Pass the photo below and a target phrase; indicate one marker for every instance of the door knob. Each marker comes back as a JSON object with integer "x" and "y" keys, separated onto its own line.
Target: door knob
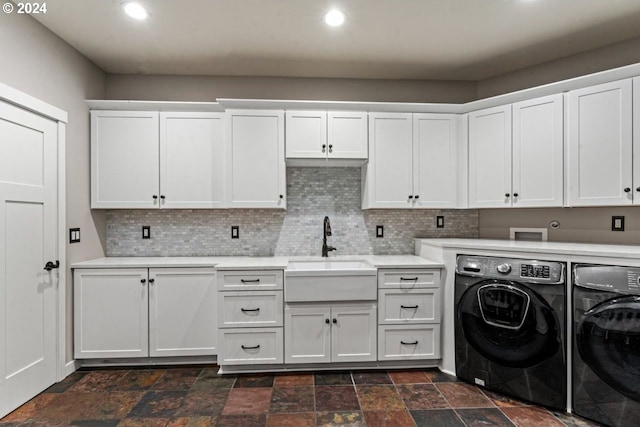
{"x": 50, "y": 265}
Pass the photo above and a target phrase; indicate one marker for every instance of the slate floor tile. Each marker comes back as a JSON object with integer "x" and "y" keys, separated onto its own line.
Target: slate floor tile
{"x": 336, "y": 398}
{"x": 299, "y": 419}
{"x": 484, "y": 417}
{"x": 437, "y": 418}
{"x": 292, "y": 380}
{"x": 192, "y": 422}
{"x": 209, "y": 379}
{"x": 247, "y": 420}
{"x": 462, "y": 395}
{"x": 377, "y": 397}
{"x": 333, "y": 378}
{"x": 138, "y": 380}
{"x": 396, "y": 418}
{"x": 530, "y": 416}
{"x": 252, "y": 381}
{"x": 177, "y": 379}
{"x": 342, "y": 419}
{"x": 371, "y": 378}
{"x": 248, "y": 401}
{"x": 292, "y": 399}
{"x": 98, "y": 381}
{"x": 203, "y": 403}
{"x": 158, "y": 404}
{"x": 422, "y": 396}
{"x": 501, "y": 400}
{"x": 440, "y": 377}
{"x": 409, "y": 377}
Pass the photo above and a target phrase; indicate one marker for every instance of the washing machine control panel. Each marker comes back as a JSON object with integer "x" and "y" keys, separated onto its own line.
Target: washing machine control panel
{"x": 531, "y": 271}
{"x": 612, "y": 278}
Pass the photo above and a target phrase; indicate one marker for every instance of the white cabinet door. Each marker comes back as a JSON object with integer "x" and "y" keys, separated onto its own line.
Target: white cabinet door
{"x": 347, "y": 135}
{"x": 110, "y": 313}
{"x": 255, "y": 153}
{"x": 192, "y": 160}
{"x": 600, "y": 145}
{"x": 636, "y": 140}
{"x": 435, "y": 177}
{"x": 307, "y": 332}
{"x": 388, "y": 176}
{"x": 490, "y": 157}
{"x": 306, "y": 134}
{"x": 538, "y": 152}
{"x": 182, "y": 312}
{"x": 125, "y": 159}
{"x": 353, "y": 333}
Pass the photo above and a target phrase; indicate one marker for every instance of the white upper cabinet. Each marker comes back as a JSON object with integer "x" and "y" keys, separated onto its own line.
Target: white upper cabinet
{"x": 192, "y": 161}
{"x": 124, "y": 159}
{"x": 599, "y": 149}
{"x": 537, "y": 166}
{"x": 146, "y": 159}
{"x": 326, "y": 135}
{"x": 636, "y": 140}
{"x": 255, "y": 159}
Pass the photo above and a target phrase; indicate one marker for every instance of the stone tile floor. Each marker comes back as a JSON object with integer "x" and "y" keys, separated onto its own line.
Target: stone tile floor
{"x": 199, "y": 397}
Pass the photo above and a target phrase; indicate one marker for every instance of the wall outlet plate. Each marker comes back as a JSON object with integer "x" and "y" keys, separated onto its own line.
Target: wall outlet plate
{"x": 146, "y": 231}
{"x": 235, "y": 232}
{"x": 74, "y": 235}
{"x": 617, "y": 223}
{"x": 379, "y": 230}
{"x": 439, "y": 221}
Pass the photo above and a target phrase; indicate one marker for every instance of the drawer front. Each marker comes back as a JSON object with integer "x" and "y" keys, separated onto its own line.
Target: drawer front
{"x": 237, "y": 280}
{"x": 252, "y": 309}
{"x": 397, "y": 342}
{"x": 401, "y": 306}
{"x": 409, "y": 279}
{"x": 257, "y": 346}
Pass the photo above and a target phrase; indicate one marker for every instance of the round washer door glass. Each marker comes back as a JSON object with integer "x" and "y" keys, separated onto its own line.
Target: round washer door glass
{"x": 608, "y": 340}
{"x": 508, "y": 323}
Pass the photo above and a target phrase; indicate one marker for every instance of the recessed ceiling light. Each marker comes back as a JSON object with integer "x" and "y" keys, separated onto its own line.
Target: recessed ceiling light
{"x": 334, "y": 18}
{"x": 135, "y": 10}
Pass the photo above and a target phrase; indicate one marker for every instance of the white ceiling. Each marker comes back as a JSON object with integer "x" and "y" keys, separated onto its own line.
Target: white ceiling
{"x": 389, "y": 39}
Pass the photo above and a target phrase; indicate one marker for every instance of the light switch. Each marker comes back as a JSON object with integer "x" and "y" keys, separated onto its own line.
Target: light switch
{"x": 146, "y": 232}
{"x": 379, "y": 231}
{"x": 74, "y": 235}
{"x": 617, "y": 223}
{"x": 235, "y": 232}
{"x": 439, "y": 221}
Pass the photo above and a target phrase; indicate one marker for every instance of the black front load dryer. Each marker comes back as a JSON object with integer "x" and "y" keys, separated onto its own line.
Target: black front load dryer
{"x": 510, "y": 327}
{"x": 606, "y": 345}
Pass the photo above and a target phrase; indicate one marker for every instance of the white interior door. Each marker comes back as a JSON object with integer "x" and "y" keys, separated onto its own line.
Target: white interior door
{"x": 28, "y": 230}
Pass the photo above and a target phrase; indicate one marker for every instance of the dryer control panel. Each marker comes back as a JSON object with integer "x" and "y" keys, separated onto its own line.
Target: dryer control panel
{"x": 624, "y": 280}
{"x": 515, "y": 269}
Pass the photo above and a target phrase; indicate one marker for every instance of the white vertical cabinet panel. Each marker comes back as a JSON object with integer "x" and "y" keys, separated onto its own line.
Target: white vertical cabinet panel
{"x": 636, "y": 141}
{"x": 306, "y": 134}
{"x": 600, "y": 145}
{"x": 490, "y": 157}
{"x": 347, "y": 135}
{"x": 192, "y": 160}
{"x": 388, "y": 177}
{"x": 435, "y": 160}
{"x": 125, "y": 159}
{"x": 182, "y": 312}
{"x": 537, "y": 166}
{"x": 255, "y": 153}
{"x": 353, "y": 333}
{"x": 307, "y": 334}
{"x": 110, "y": 313}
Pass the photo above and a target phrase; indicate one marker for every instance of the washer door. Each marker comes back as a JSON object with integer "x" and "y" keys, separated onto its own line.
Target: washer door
{"x": 508, "y": 323}
{"x": 608, "y": 340}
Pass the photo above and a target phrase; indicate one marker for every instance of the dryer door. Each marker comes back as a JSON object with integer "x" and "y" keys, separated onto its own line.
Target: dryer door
{"x": 608, "y": 339}
{"x": 508, "y": 323}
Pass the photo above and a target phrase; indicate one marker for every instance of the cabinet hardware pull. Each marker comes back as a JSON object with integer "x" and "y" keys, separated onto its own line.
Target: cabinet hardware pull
{"x": 50, "y": 265}
{"x": 409, "y": 343}
{"x": 162, "y": 196}
{"x": 409, "y": 306}
{"x": 152, "y": 280}
{"x": 143, "y": 280}
{"x": 627, "y": 189}
{"x": 246, "y": 347}
{"x": 515, "y": 194}
{"x": 335, "y": 320}
{"x": 244, "y": 310}
{"x": 155, "y": 197}
{"x": 326, "y": 321}
{"x": 411, "y": 196}
{"x": 507, "y": 195}
{"x": 415, "y": 279}
{"x": 250, "y": 281}
{"x": 331, "y": 148}
{"x": 416, "y": 196}
{"x": 324, "y": 148}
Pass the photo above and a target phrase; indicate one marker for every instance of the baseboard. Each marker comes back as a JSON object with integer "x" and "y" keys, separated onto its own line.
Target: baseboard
{"x": 69, "y": 369}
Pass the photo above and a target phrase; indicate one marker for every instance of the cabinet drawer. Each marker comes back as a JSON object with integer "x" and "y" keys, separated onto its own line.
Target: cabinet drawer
{"x": 409, "y": 279}
{"x": 256, "y": 346}
{"x": 241, "y": 309}
{"x": 236, "y": 280}
{"x": 398, "y": 342}
{"x": 401, "y": 306}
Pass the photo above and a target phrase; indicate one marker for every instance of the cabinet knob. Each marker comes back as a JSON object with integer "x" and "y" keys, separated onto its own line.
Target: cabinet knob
{"x": 282, "y": 196}
{"x": 515, "y": 194}
{"x": 331, "y": 148}
{"x": 411, "y": 196}
{"x": 335, "y": 320}
{"x": 507, "y": 195}
{"x": 637, "y": 188}
{"x": 416, "y": 196}
{"x": 324, "y": 148}
{"x": 143, "y": 280}
{"x": 627, "y": 189}
{"x": 155, "y": 197}
{"x": 152, "y": 280}
{"x": 162, "y": 197}
{"x": 326, "y": 321}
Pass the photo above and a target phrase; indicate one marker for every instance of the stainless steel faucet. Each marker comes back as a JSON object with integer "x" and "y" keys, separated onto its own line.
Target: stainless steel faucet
{"x": 327, "y": 232}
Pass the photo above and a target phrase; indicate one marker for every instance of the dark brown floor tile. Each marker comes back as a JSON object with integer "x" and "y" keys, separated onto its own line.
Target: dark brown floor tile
{"x": 530, "y": 416}
{"x": 292, "y": 399}
{"x": 437, "y": 418}
{"x": 32, "y": 423}
{"x": 422, "y": 396}
{"x": 501, "y": 400}
{"x": 209, "y": 379}
{"x": 29, "y": 409}
{"x": 574, "y": 421}
{"x": 336, "y": 398}
{"x": 376, "y": 397}
{"x": 192, "y": 422}
{"x": 292, "y": 380}
{"x": 94, "y": 423}
{"x": 88, "y": 406}
{"x": 462, "y": 395}
{"x": 484, "y": 417}
{"x": 371, "y": 378}
{"x": 440, "y": 377}
{"x": 98, "y": 381}
{"x": 248, "y": 401}
{"x": 158, "y": 404}
{"x": 203, "y": 403}
{"x": 343, "y": 419}
{"x": 388, "y": 419}
{"x": 143, "y": 422}
{"x": 64, "y": 385}
{"x": 138, "y": 380}
{"x": 248, "y": 420}
{"x": 252, "y": 381}
{"x": 409, "y": 377}
{"x": 300, "y": 419}
{"x": 177, "y": 379}
{"x": 333, "y": 378}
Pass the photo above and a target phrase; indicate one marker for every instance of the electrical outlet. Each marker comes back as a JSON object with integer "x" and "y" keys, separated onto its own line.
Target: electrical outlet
{"x": 439, "y": 221}
{"x": 235, "y": 232}
{"x": 617, "y": 223}
{"x": 74, "y": 235}
{"x": 379, "y": 231}
{"x": 146, "y": 231}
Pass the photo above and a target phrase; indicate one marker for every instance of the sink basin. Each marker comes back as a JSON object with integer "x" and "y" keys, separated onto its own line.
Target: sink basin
{"x": 330, "y": 280}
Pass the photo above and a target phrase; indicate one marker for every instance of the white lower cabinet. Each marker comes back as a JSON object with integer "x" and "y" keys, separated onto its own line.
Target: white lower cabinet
{"x": 400, "y": 342}
{"x": 245, "y": 346}
{"x": 323, "y": 333}
{"x": 140, "y": 312}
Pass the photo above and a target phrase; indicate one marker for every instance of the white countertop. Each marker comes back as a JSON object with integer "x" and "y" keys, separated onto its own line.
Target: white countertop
{"x": 239, "y": 262}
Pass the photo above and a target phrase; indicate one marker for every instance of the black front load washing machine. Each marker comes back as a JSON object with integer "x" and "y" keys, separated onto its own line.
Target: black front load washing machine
{"x": 510, "y": 327}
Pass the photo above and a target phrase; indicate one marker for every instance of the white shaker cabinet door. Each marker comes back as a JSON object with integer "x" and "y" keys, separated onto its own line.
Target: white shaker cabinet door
{"x": 353, "y": 333}
{"x": 636, "y": 140}
{"x": 307, "y": 330}
{"x": 347, "y": 135}
{"x": 306, "y": 134}
{"x": 125, "y": 159}
{"x": 192, "y": 160}
{"x": 255, "y": 153}
{"x": 599, "y": 145}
